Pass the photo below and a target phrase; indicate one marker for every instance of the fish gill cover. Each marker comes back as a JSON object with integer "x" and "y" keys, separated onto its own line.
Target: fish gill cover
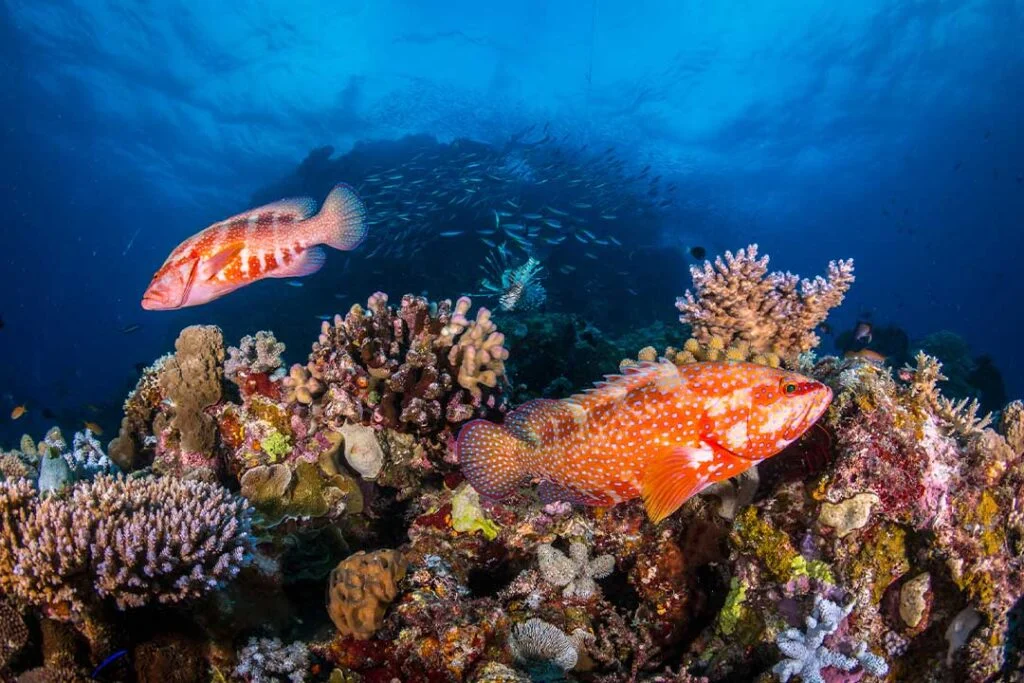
{"x": 542, "y": 194}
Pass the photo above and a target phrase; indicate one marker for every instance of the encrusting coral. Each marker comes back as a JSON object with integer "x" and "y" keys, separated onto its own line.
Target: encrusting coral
{"x": 134, "y": 541}
{"x": 737, "y": 299}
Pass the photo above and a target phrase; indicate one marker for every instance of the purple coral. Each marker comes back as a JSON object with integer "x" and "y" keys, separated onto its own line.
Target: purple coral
{"x": 268, "y": 660}
{"x": 254, "y": 354}
{"x": 133, "y": 540}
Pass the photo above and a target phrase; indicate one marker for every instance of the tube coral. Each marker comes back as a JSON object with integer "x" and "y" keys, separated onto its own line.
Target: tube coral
{"x": 738, "y": 299}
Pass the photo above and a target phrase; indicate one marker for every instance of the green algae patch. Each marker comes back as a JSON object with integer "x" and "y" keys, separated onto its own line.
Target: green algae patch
{"x": 771, "y": 546}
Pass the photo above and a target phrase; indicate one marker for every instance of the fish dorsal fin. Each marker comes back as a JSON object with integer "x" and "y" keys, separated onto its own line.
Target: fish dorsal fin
{"x": 298, "y": 208}
{"x": 673, "y": 476}
{"x": 220, "y": 259}
{"x": 661, "y": 374}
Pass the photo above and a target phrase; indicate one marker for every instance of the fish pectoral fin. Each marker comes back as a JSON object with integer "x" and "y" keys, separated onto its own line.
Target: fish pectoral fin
{"x": 673, "y": 476}
{"x": 220, "y": 260}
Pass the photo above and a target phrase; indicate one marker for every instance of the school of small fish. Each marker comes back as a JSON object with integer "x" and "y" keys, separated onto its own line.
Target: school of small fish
{"x": 277, "y": 240}
{"x": 658, "y": 431}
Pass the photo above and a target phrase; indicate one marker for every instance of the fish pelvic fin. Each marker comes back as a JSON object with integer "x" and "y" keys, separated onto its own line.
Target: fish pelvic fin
{"x": 494, "y": 462}
{"x": 673, "y": 477}
{"x": 341, "y": 223}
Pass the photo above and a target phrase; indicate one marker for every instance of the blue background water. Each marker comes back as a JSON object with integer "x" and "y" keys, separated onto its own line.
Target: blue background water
{"x": 890, "y": 132}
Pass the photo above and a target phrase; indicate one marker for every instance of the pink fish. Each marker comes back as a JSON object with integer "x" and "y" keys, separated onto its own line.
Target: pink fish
{"x": 660, "y": 431}
{"x": 277, "y": 240}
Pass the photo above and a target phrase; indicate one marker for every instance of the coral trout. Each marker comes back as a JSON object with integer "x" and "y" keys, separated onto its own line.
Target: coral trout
{"x": 660, "y": 431}
{"x": 277, "y": 240}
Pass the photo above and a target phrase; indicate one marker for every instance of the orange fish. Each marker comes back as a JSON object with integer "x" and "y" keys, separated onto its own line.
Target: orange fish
{"x": 660, "y": 431}
{"x": 276, "y": 240}
{"x": 18, "y": 411}
{"x": 93, "y": 427}
{"x": 868, "y": 355}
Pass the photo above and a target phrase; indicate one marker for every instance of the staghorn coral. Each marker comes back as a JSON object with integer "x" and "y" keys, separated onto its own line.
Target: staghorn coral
{"x": 737, "y": 299}
{"x": 134, "y": 541}
{"x": 960, "y": 416}
{"x": 807, "y": 655}
{"x": 268, "y": 660}
{"x": 415, "y": 369}
{"x": 1011, "y": 426}
{"x": 575, "y": 572}
{"x": 360, "y": 589}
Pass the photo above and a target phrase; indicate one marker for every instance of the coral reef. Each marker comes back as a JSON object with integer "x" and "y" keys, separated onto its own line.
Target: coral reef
{"x": 268, "y": 660}
{"x": 360, "y": 589}
{"x": 737, "y": 298}
{"x": 575, "y": 572}
{"x": 133, "y": 541}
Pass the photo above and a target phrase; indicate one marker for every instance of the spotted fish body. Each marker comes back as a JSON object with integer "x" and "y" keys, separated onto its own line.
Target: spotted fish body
{"x": 277, "y": 240}
{"x": 659, "y": 431}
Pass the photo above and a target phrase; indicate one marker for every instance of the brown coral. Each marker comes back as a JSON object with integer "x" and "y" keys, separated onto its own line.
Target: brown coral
{"x": 416, "y": 368}
{"x": 361, "y": 588}
{"x": 301, "y": 386}
{"x": 13, "y": 633}
{"x": 191, "y": 380}
{"x": 737, "y": 299}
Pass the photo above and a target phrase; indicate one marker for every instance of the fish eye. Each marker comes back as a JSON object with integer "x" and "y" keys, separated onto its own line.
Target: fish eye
{"x": 789, "y": 388}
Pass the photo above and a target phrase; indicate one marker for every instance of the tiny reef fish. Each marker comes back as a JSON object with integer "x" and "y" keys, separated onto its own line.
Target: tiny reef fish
{"x": 93, "y": 427}
{"x": 659, "y": 431}
{"x": 277, "y": 240}
{"x": 18, "y": 411}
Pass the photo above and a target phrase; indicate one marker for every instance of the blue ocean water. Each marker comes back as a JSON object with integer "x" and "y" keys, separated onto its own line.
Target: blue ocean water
{"x": 889, "y": 132}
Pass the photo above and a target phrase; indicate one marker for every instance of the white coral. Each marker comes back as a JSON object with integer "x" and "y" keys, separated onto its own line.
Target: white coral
{"x": 576, "y": 572}
{"x": 806, "y": 654}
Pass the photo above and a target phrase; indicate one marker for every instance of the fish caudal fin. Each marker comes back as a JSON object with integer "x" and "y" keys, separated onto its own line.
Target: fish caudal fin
{"x": 341, "y": 222}
{"x": 493, "y": 461}
{"x": 672, "y": 478}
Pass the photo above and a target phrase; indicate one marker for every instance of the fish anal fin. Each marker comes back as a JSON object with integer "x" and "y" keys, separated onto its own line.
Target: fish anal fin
{"x": 309, "y": 262}
{"x": 550, "y": 492}
{"x": 297, "y": 208}
{"x": 220, "y": 259}
{"x": 661, "y": 374}
{"x": 672, "y": 477}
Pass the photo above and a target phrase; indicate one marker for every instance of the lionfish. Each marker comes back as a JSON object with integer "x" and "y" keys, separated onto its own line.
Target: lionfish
{"x": 518, "y": 288}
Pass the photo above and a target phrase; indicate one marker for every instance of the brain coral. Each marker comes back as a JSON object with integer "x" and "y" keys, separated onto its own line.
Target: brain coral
{"x": 361, "y": 588}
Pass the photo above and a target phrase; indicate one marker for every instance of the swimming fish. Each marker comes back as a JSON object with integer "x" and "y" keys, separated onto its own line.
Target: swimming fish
{"x": 659, "y": 431}
{"x": 18, "y": 411}
{"x": 698, "y": 252}
{"x": 866, "y": 354}
{"x": 93, "y": 427}
{"x": 276, "y": 240}
{"x": 863, "y": 331}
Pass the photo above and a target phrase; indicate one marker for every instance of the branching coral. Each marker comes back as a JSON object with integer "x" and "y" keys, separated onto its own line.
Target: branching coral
{"x": 268, "y": 660}
{"x": 132, "y": 540}
{"x": 737, "y": 299}
{"x": 806, "y": 654}
{"x": 961, "y": 416}
{"x": 416, "y": 368}
{"x": 254, "y": 354}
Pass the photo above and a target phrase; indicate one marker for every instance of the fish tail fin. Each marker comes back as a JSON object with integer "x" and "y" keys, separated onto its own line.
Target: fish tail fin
{"x": 342, "y": 219}
{"x": 494, "y": 461}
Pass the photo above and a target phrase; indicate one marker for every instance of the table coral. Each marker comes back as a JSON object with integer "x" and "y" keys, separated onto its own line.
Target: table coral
{"x": 736, "y": 298}
{"x": 360, "y": 589}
